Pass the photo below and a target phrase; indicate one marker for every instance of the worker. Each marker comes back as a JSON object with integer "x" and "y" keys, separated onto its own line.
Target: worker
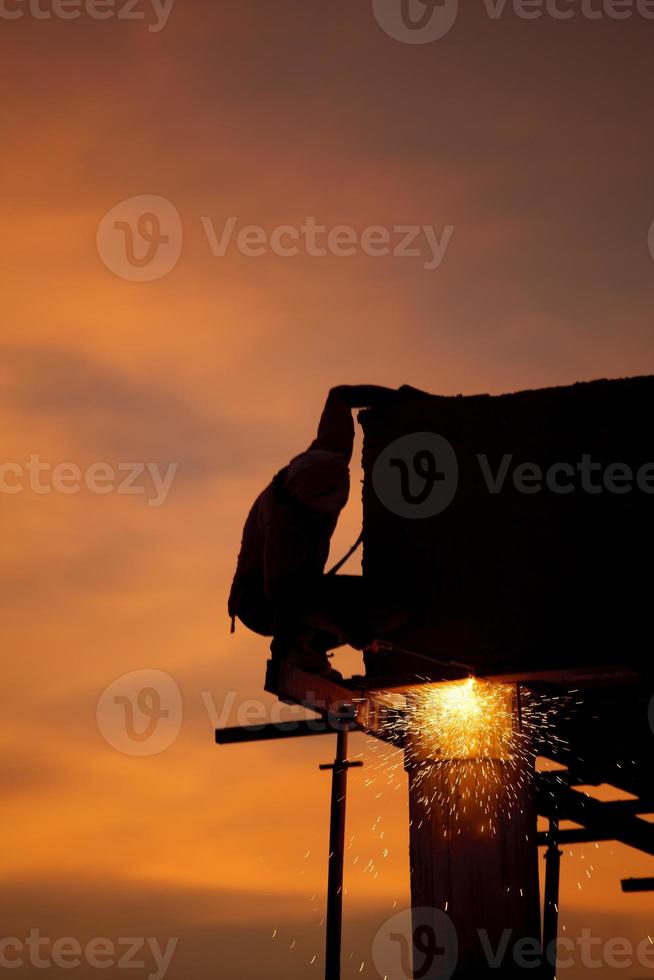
{"x": 280, "y": 588}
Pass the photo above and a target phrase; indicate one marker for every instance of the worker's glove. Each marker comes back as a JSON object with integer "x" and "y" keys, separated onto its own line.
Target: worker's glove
{"x": 363, "y": 396}
{"x": 406, "y": 392}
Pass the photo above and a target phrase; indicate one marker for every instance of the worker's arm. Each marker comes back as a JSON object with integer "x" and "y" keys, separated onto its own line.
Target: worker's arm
{"x": 362, "y": 396}
{"x": 374, "y": 396}
{"x": 336, "y": 428}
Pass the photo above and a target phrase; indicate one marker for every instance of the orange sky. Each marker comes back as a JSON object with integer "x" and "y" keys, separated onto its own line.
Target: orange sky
{"x": 533, "y": 139}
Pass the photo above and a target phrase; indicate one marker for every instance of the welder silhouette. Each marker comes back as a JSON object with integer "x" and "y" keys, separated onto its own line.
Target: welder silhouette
{"x": 280, "y": 588}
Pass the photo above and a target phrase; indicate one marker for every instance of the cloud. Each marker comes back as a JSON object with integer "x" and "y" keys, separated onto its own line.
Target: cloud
{"x": 226, "y": 934}
{"x": 109, "y": 412}
{"x": 106, "y": 411}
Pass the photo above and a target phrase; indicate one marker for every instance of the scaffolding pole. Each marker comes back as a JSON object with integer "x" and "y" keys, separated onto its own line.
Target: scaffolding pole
{"x": 339, "y": 769}
{"x": 551, "y": 904}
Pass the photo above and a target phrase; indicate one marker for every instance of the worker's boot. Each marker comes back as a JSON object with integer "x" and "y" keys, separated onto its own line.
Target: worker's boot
{"x": 306, "y": 651}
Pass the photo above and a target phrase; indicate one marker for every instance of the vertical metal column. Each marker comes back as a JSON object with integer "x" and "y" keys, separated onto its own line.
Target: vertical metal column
{"x": 339, "y": 770}
{"x": 551, "y": 906}
{"x": 486, "y": 882}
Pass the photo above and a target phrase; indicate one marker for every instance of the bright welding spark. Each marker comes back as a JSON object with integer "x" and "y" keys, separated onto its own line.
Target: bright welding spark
{"x": 466, "y": 719}
{"x": 481, "y": 736}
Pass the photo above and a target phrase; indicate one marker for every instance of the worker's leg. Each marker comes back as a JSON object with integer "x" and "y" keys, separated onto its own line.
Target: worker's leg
{"x": 346, "y": 607}
{"x": 299, "y": 639}
{"x": 254, "y": 612}
{"x": 336, "y": 610}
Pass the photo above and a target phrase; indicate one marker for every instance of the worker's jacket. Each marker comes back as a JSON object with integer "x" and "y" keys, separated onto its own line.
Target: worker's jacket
{"x": 285, "y": 542}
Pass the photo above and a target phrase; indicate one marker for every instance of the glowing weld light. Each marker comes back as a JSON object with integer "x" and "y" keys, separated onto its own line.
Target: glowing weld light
{"x": 468, "y": 745}
{"x": 467, "y": 719}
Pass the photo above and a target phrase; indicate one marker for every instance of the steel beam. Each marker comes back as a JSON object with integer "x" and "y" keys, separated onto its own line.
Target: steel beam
{"x": 598, "y": 823}
{"x": 638, "y": 885}
{"x": 274, "y": 731}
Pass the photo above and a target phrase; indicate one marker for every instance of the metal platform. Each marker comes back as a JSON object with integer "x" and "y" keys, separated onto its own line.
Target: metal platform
{"x": 604, "y": 740}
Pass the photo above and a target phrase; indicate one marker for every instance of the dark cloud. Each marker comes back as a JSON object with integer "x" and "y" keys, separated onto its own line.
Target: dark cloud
{"x": 104, "y": 563}
{"x": 128, "y": 416}
{"x": 225, "y": 934}
{"x": 229, "y": 934}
